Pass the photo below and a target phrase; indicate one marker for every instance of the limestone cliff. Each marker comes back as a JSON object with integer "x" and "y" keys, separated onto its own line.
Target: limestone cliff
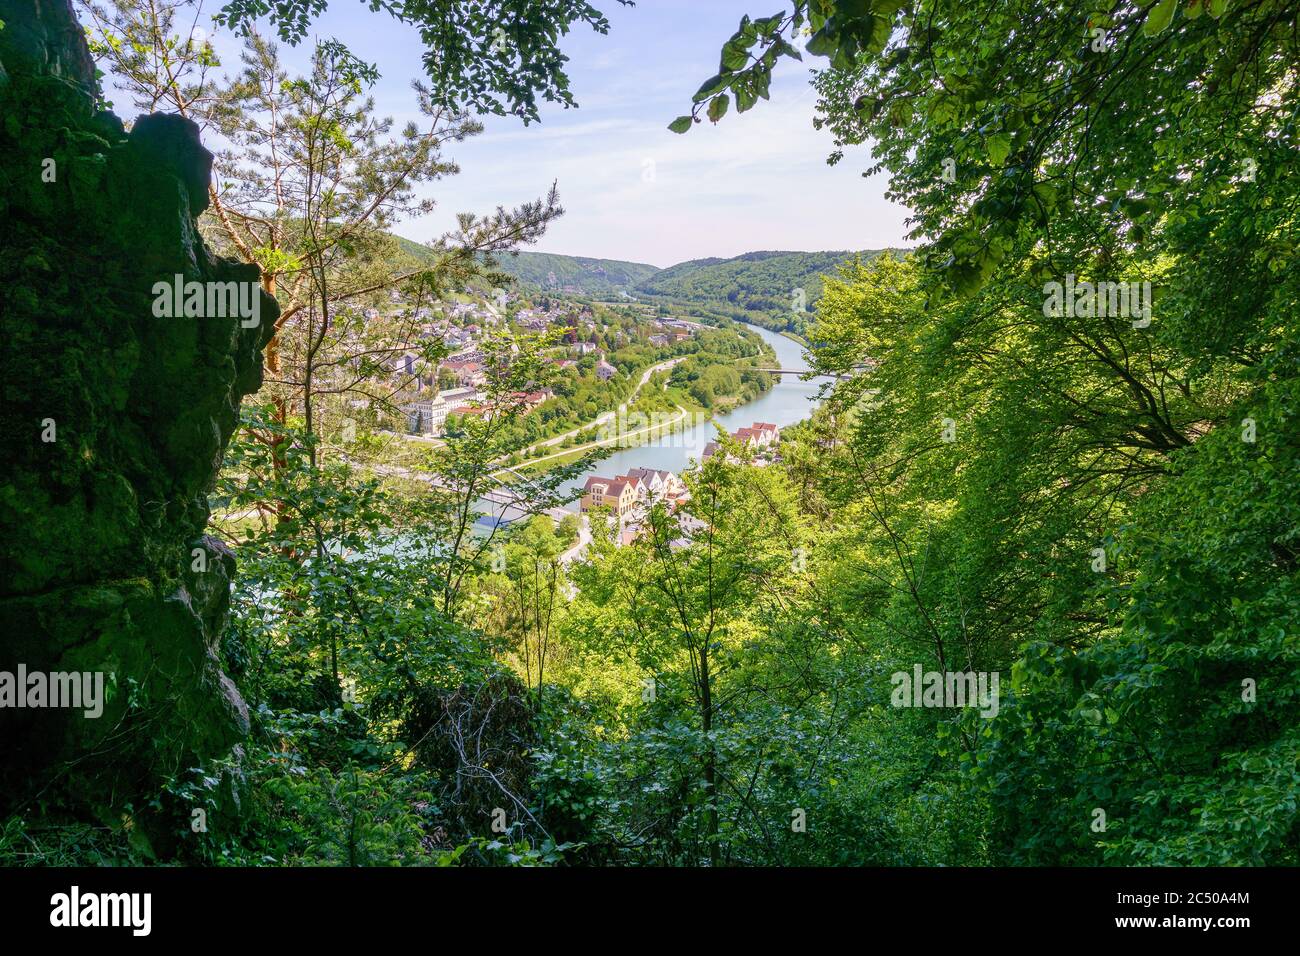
{"x": 111, "y": 430}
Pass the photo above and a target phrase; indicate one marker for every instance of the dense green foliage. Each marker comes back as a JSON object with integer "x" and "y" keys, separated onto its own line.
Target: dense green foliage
{"x": 712, "y": 384}
{"x": 1104, "y": 508}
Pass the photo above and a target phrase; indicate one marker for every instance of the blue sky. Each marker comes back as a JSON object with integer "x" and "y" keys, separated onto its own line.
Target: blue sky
{"x": 631, "y": 189}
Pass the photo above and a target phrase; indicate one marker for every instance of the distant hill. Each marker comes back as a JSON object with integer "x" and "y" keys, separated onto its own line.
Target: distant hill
{"x": 412, "y": 248}
{"x": 759, "y": 287}
{"x": 578, "y": 275}
{"x": 756, "y": 287}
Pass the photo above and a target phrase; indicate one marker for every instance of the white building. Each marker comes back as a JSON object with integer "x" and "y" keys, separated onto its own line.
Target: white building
{"x": 431, "y": 413}
{"x": 657, "y": 484}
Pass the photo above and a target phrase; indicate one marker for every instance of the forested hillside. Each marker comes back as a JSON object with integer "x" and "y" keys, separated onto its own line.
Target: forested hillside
{"x": 577, "y": 275}
{"x": 776, "y": 290}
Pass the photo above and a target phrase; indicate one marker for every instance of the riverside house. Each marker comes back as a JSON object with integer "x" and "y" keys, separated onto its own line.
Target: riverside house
{"x": 657, "y": 484}
{"x": 757, "y": 438}
{"x": 620, "y": 494}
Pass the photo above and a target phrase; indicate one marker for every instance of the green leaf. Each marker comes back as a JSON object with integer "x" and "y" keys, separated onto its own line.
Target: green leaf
{"x": 715, "y": 84}
{"x": 1160, "y": 17}
{"x": 733, "y": 58}
{"x": 999, "y": 147}
{"x": 881, "y": 28}
{"x": 823, "y": 43}
{"x": 784, "y": 48}
{"x": 718, "y": 107}
{"x": 680, "y": 125}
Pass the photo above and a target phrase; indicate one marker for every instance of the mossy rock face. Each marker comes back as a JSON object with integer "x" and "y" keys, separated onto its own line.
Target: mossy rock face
{"x": 112, "y": 428}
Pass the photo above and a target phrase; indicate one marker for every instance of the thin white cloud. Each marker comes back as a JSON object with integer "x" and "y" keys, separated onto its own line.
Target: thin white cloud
{"x": 635, "y": 191}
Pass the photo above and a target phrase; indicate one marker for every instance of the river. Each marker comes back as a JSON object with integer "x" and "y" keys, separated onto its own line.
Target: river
{"x": 789, "y": 401}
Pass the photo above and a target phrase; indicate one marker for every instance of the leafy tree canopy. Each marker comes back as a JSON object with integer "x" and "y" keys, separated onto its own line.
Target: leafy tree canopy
{"x": 993, "y": 119}
{"x": 484, "y": 56}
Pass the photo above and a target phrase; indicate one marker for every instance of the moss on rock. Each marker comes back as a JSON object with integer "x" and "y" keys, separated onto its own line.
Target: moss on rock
{"x": 112, "y": 428}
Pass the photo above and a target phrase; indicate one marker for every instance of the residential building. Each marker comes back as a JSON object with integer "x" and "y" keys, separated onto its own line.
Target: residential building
{"x": 527, "y": 401}
{"x": 458, "y": 398}
{"x": 467, "y": 373}
{"x": 619, "y": 494}
{"x": 532, "y": 399}
{"x": 768, "y": 434}
{"x": 756, "y": 437}
{"x": 658, "y": 484}
{"x": 430, "y": 415}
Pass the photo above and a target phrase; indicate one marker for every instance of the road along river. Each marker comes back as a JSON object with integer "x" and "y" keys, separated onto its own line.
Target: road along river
{"x": 789, "y": 401}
